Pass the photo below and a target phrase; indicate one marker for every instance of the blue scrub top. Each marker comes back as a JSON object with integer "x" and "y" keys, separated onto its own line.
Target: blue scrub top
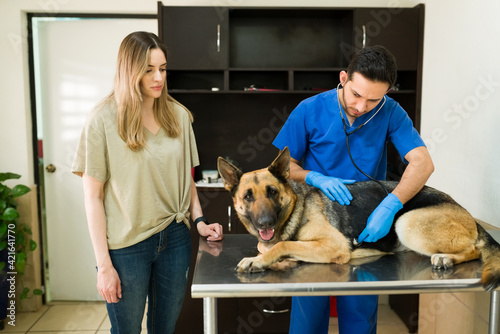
{"x": 314, "y": 134}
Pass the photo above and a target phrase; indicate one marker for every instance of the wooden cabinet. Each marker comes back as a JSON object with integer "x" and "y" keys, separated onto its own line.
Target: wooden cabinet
{"x": 397, "y": 29}
{"x": 215, "y": 203}
{"x": 241, "y": 71}
{"x": 261, "y": 315}
{"x": 217, "y": 206}
{"x": 204, "y": 29}
{"x": 271, "y": 59}
{"x": 264, "y": 315}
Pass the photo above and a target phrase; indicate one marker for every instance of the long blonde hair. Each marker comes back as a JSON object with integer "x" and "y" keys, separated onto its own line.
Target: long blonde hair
{"x": 132, "y": 64}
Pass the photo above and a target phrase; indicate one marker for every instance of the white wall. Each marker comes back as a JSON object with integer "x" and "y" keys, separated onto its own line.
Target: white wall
{"x": 461, "y": 99}
{"x": 460, "y": 69}
{"x": 16, "y": 153}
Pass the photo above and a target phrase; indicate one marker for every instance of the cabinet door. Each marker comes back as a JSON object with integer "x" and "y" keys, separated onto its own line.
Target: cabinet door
{"x": 215, "y": 203}
{"x": 264, "y": 315}
{"x": 217, "y": 206}
{"x": 190, "y": 320}
{"x": 196, "y": 37}
{"x": 398, "y": 29}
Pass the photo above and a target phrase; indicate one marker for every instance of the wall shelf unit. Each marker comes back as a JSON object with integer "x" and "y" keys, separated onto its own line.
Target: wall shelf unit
{"x": 242, "y": 70}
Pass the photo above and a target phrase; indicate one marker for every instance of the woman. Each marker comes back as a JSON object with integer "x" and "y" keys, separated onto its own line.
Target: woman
{"x": 135, "y": 157}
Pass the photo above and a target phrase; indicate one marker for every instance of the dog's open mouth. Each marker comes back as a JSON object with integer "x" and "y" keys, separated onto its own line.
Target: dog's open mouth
{"x": 266, "y": 234}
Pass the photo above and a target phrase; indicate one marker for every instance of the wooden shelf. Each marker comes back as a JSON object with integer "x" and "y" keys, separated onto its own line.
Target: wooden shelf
{"x": 247, "y": 92}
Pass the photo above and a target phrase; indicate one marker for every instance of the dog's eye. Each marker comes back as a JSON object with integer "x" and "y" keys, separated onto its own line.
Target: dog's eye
{"x": 248, "y": 196}
{"x": 272, "y": 191}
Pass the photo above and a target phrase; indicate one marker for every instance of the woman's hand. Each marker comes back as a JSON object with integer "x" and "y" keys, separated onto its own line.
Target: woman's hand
{"x": 109, "y": 284}
{"x": 213, "y": 248}
{"x": 213, "y": 232}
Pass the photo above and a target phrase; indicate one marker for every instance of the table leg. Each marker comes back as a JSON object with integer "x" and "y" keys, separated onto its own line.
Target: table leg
{"x": 494, "y": 312}
{"x": 210, "y": 315}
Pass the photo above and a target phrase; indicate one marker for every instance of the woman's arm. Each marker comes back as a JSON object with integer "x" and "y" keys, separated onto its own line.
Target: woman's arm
{"x": 213, "y": 231}
{"x": 108, "y": 282}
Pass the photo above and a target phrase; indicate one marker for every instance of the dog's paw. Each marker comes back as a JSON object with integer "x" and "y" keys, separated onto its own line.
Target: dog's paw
{"x": 251, "y": 265}
{"x": 285, "y": 265}
{"x": 440, "y": 273}
{"x": 441, "y": 261}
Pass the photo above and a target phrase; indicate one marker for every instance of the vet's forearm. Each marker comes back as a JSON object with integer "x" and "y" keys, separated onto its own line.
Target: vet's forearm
{"x": 297, "y": 173}
{"x": 415, "y": 176}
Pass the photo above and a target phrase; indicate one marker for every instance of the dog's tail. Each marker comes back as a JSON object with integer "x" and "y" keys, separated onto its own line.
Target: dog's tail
{"x": 490, "y": 254}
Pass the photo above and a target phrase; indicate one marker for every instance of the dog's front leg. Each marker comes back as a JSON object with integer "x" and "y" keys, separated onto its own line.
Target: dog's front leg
{"x": 315, "y": 251}
{"x": 252, "y": 265}
{"x": 267, "y": 257}
{"x": 258, "y": 263}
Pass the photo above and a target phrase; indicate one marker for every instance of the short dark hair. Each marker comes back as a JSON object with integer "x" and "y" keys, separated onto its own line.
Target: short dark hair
{"x": 375, "y": 63}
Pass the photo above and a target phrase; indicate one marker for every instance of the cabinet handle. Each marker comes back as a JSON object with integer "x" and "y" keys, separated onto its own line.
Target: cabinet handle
{"x": 276, "y": 311}
{"x": 364, "y": 36}
{"x": 218, "y": 38}
{"x": 229, "y": 218}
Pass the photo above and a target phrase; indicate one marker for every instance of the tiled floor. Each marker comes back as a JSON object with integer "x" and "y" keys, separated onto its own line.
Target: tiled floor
{"x": 91, "y": 318}
{"x": 387, "y": 323}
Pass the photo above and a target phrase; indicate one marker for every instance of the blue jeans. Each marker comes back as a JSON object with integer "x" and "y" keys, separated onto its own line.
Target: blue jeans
{"x": 156, "y": 268}
{"x": 357, "y": 315}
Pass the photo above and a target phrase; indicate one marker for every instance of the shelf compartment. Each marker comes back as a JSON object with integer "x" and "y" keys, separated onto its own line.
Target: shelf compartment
{"x": 241, "y": 80}
{"x": 289, "y": 38}
{"x": 239, "y": 126}
{"x": 316, "y": 81}
{"x": 406, "y": 81}
{"x": 195, "y": 80}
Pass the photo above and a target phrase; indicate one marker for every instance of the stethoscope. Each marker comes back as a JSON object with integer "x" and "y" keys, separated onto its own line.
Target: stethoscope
{"x": 347, "y": 134}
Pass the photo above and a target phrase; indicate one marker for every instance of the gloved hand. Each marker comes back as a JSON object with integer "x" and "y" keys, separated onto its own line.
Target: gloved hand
{"x": 365, "y": 276}
{"x": 331, "y": 186}
{"x": 381, "y": 219}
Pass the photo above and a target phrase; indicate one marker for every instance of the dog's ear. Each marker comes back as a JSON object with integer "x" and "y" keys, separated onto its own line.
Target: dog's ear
{"x": 280, "y": 167}
{"x": 230, "y": 173}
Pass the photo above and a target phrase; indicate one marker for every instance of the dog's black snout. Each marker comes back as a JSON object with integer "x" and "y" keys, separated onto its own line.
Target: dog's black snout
{"x": 266, "y": 221}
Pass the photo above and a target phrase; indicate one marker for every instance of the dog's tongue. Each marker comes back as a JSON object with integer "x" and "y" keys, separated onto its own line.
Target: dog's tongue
{"x": 267, "y": 234}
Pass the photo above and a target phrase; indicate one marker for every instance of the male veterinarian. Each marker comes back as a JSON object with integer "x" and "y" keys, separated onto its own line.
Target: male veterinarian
{"x": 316, "y": 136}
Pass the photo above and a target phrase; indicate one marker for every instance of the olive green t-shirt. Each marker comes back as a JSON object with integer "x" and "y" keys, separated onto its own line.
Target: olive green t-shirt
{"x": 144, "y": 191}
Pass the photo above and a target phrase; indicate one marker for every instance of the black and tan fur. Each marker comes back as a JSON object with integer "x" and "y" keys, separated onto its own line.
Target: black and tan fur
{"x": 295, "y": 221}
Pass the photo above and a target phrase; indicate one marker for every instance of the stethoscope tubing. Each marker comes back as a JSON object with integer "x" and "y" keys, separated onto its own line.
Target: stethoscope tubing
{"x": 347, "y": 134}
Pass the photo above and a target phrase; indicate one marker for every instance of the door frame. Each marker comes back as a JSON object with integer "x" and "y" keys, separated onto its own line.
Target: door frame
{"x": 36, "y": 122}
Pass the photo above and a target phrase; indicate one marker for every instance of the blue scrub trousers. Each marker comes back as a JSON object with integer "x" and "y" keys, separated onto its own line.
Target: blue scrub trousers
{"x": 356, "y": 314}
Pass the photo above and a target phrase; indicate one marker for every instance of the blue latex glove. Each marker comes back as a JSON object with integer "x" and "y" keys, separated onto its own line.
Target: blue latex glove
{"x": 381, "y": 219}
{"x": 365, "y": 276}
{"x": 334, "y": 188}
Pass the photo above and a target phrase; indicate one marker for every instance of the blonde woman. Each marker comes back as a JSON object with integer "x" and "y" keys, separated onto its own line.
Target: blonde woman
{"x": 135, "y": 156}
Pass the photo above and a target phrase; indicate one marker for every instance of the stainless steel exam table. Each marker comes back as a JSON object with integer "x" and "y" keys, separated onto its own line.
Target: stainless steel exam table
{"x": 402, "y": 273}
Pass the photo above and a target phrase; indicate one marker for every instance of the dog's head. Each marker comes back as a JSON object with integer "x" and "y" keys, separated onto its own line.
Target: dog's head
{"x": 263, "y": 198}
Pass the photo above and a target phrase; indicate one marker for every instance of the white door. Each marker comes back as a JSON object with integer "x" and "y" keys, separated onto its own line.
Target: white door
{"x": 75, "y": 62}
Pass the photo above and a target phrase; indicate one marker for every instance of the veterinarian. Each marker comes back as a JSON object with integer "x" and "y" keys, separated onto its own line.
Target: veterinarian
{"x": 322, "y": 132}
{"x": 135, "y": 156}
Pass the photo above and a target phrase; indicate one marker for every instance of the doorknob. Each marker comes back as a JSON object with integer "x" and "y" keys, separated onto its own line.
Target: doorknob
{"x": 50, "y": 168}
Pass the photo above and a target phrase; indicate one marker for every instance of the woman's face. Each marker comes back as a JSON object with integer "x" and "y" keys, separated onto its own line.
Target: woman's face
{"x": 154, "y": 79}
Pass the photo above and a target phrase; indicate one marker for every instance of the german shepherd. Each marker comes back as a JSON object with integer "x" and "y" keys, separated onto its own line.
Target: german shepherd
{"x": 295, "y": 221}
